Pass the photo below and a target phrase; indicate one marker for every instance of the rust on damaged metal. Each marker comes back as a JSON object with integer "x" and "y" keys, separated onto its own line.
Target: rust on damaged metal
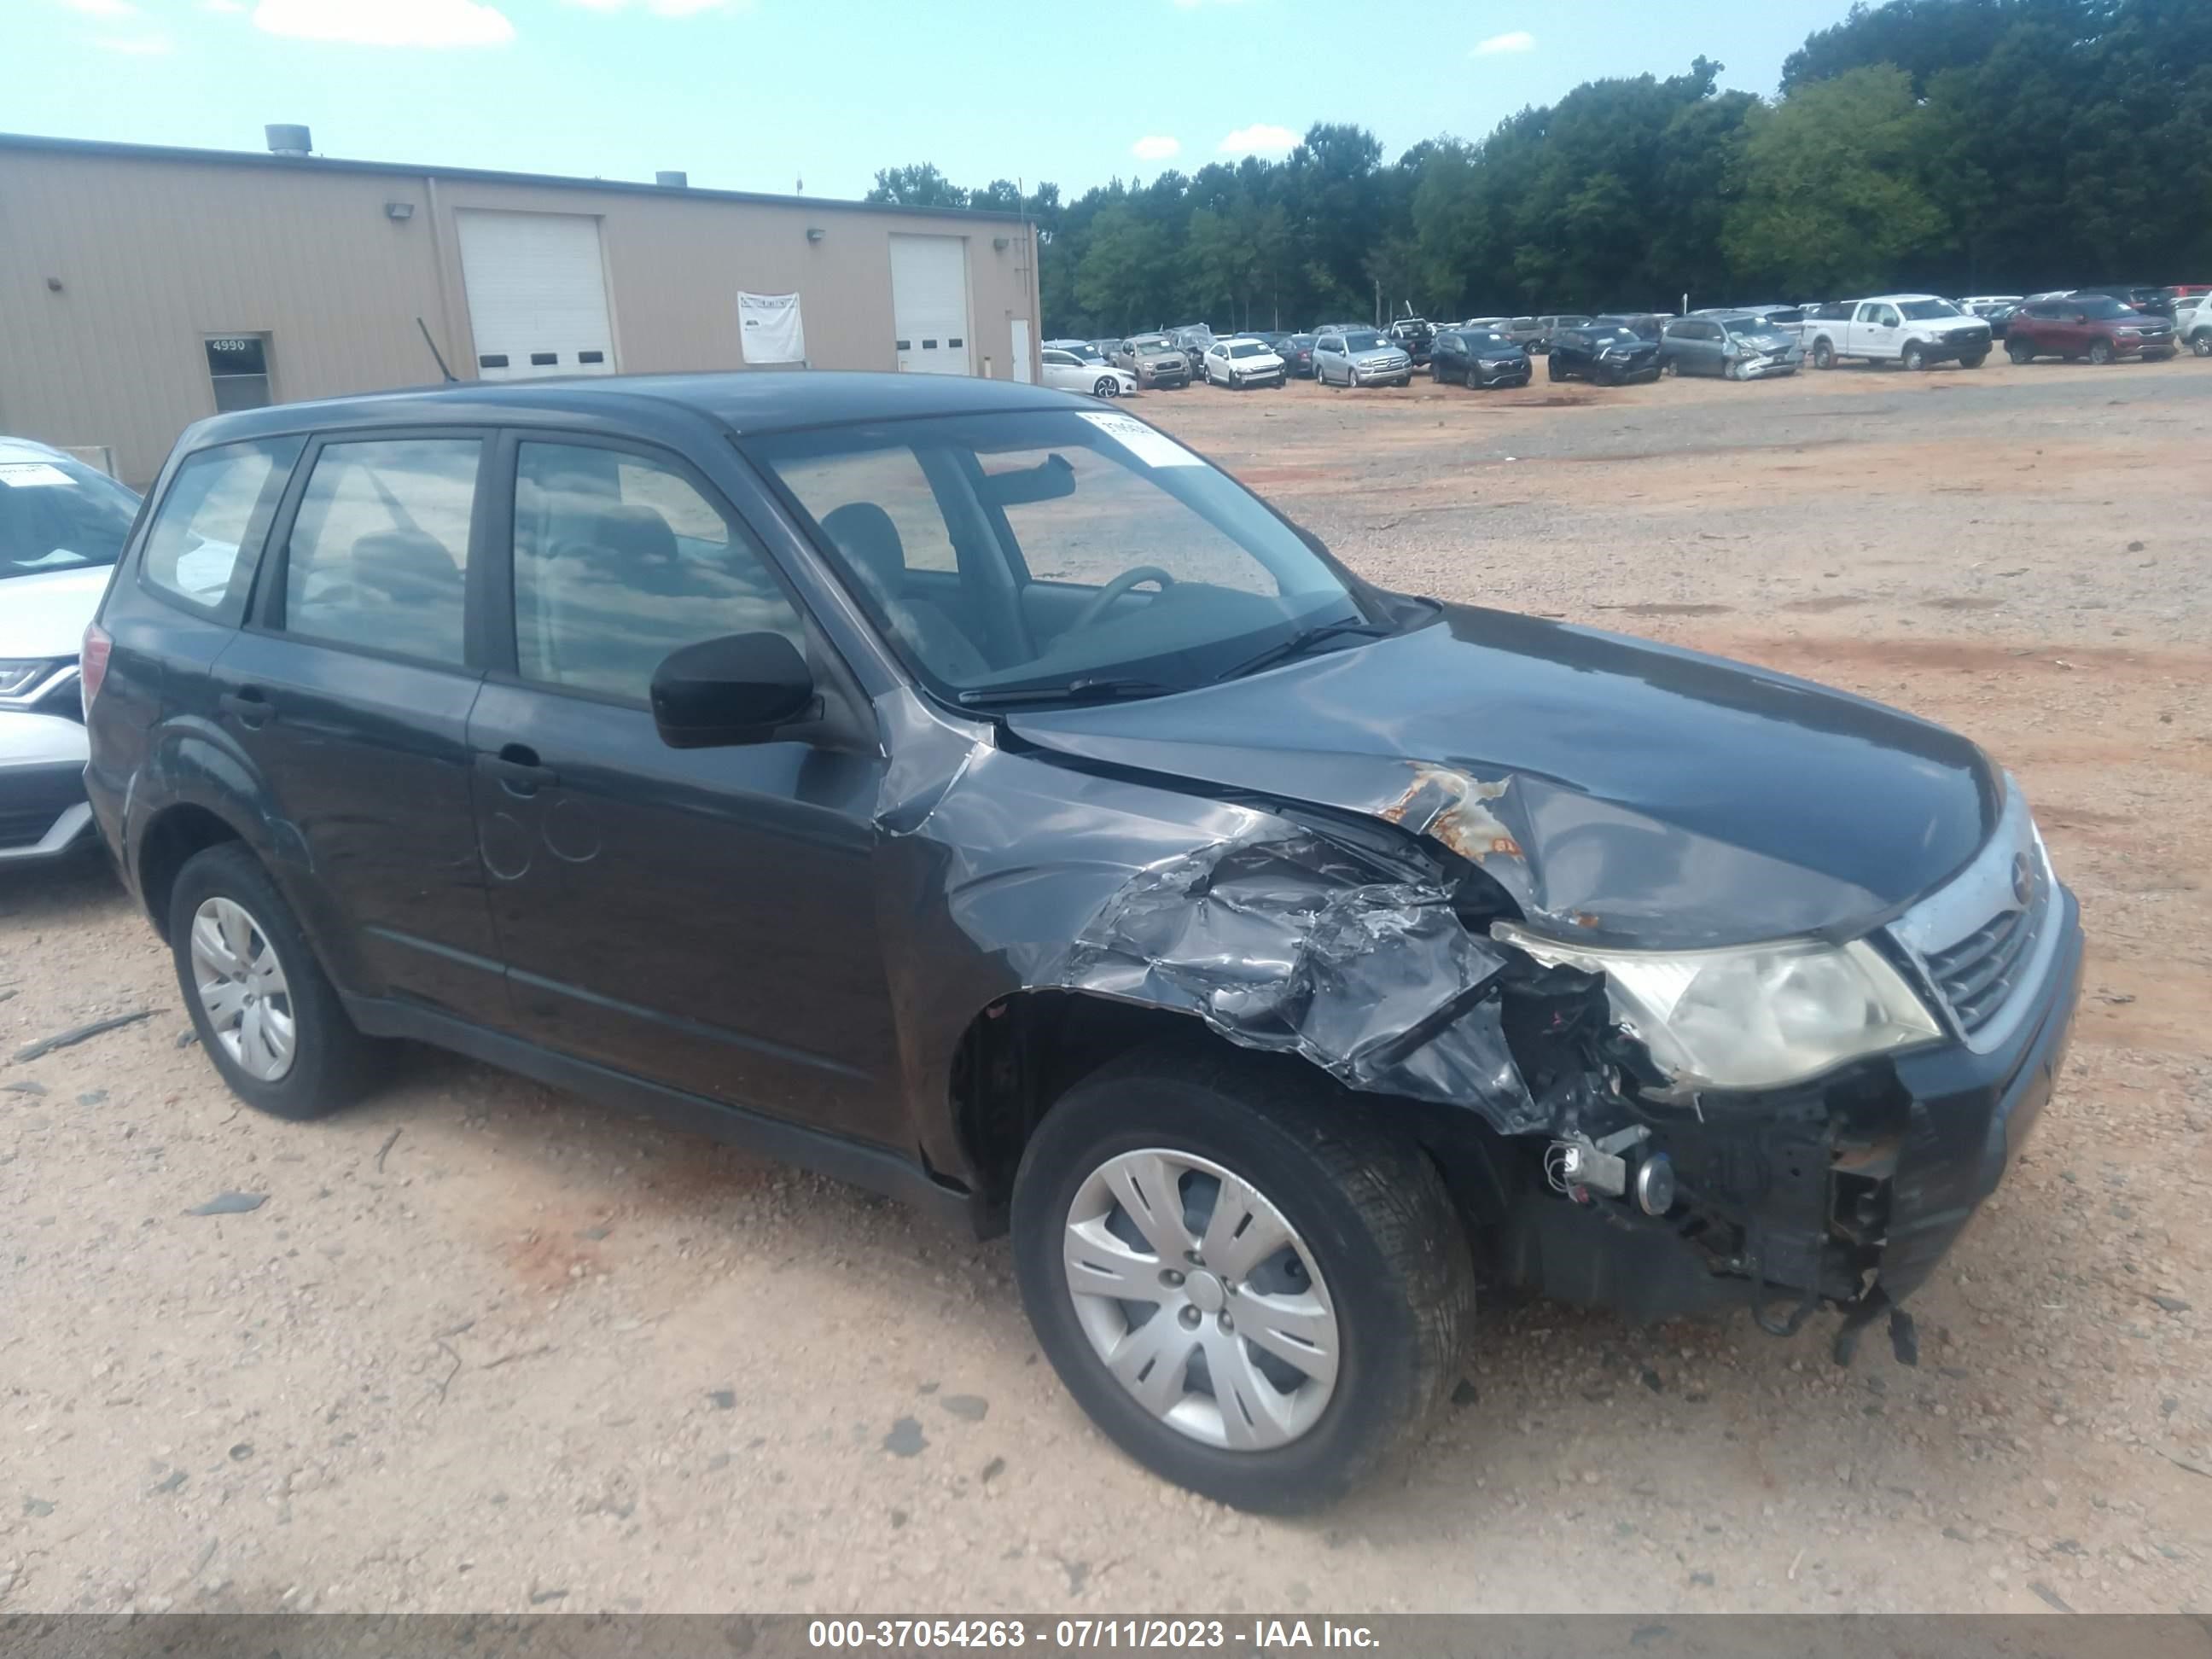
{"x": 1449, "y": 807}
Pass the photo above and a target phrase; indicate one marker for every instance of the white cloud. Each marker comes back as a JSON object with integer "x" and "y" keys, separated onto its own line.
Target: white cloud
{"x": 1518, "y": 40}
{"x": 1259, "y": 139}
{"x": 386, "y": 22}
{"x": 661, "y": 8}
{"x": 109, "y": 8}
{"x": 137, "y": 45}
{"x": 1156, "y": 149}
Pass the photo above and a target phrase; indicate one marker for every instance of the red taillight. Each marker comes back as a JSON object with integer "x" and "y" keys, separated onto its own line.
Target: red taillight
{"x": 92, "y": 665}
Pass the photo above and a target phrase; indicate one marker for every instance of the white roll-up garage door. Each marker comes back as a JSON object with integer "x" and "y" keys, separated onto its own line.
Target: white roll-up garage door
{"x": 929, "y": 304}
{"x": 538, "y": 295}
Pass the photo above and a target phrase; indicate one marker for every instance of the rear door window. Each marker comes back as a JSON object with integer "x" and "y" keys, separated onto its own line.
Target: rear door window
{"x": 206, "y": 535}
{"x": 379, "y": 546}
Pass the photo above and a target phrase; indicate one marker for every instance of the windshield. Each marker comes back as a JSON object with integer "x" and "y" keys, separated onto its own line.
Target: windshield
{"x": 60, "y": 515}
{"x": 1746, "y": 326}
{"x": 1054, "y": 551}
{"x": 1486, "y": 339}
{"x": 1153, "y": 343}
{"x": 1247, "y": 348}
{"x": 1918, "y": 310}
{"x": 1363, "y": 340}
{"x": 1612, "y": 334}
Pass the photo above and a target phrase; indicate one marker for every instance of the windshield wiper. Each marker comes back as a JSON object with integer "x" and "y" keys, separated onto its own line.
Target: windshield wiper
{"x": 1101, "y": 687}
{"x": 1303, "y": 640}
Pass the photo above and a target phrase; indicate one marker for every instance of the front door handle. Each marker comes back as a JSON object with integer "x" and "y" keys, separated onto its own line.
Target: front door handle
{"x": 249, "y": 707}
{"x": 518, "y": 770}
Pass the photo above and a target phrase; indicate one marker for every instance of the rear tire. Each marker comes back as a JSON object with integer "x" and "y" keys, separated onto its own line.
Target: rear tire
{"x": 2201, "y": 343}
{"x": 1373, "y": 1239}
{"x": 330, "y": 1062}
{"x": 1552, "y": 367}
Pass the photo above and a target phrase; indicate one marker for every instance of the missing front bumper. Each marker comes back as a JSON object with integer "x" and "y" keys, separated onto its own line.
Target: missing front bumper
{"x": 1847, "y": 1195}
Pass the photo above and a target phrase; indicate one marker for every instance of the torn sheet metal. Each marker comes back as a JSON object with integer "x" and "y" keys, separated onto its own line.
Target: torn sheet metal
{"x": 1289, "y": 944}
{"x": 1006, "y": 872}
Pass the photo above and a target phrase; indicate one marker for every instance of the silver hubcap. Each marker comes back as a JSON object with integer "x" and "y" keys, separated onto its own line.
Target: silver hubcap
{"x": 242, "y": 989}
{"x": 1201, "y": 1300}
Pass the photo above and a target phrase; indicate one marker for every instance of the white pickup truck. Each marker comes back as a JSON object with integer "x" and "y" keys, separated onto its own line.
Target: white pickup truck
{"x": 1916, "y": 330}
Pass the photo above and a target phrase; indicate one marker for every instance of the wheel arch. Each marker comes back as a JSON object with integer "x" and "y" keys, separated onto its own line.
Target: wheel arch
{"x": 1022, "y": 1054}
{"x": 170, "y": 840}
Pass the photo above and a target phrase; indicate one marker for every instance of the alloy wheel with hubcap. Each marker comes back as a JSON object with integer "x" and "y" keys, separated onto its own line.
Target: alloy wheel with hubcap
{"x": 242, "y": 989}
{"x": 1201, "y": 1299}
{"x": 1108, "y": 387}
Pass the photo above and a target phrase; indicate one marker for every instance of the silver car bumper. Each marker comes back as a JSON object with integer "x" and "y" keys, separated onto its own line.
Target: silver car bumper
{"x": 43, "y": 811}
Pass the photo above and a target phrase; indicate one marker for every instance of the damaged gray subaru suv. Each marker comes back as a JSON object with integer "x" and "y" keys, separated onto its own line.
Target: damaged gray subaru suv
{"x": 974, "y": 795}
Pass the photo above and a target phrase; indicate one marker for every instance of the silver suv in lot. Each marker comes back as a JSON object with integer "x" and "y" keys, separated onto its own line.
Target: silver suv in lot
{"x": 1360, "y": 356}
{"x": 62, "y": 524}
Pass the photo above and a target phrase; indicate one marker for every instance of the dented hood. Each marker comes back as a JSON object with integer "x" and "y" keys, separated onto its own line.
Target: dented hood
{"x": 1621, "y": 791}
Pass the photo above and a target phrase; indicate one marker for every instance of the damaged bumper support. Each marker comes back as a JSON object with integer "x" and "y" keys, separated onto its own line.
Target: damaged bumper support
{"x": 1846, "y": 1192}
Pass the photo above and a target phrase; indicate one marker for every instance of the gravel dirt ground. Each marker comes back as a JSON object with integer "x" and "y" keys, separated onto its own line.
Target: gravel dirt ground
{"x": 484, "y": 1347}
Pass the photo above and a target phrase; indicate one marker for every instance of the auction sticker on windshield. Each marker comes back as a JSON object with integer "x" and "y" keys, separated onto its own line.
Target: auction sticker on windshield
{"x": 1152, "y": 448}
{"x": 31, "y": 475}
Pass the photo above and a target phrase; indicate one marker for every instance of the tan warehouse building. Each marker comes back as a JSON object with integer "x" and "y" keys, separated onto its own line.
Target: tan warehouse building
{"x": 142, "y": 287}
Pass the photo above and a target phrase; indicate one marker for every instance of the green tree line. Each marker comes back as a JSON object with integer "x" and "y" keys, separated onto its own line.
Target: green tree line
{"x": 1952, "y": 146}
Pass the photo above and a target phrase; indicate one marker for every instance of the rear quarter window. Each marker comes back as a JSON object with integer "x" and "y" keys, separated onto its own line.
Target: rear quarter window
{"x": 205, "y": 542}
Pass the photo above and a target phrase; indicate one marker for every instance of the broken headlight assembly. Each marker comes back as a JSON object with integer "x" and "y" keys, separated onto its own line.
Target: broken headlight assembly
{"x": 1748, "y": 1017}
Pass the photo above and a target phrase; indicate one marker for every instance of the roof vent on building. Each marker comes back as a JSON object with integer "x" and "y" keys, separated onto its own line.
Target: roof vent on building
{"x": 287, "y": 140}
{"x": 672, "y": 180}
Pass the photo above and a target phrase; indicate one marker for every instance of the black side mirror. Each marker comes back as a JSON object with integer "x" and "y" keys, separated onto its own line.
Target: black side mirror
{"x": 738, "y": 689}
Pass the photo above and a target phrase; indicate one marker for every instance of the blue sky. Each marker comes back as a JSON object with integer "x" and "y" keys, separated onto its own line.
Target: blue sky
{"x": 757, "y": 95}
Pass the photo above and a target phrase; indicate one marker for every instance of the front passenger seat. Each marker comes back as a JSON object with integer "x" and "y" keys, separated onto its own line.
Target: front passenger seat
{"x": 870, "y": 542}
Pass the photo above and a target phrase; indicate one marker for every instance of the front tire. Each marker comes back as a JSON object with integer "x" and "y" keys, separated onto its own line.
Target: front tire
{"x": 2100, "y": 352}
{"x": 266, "y": 1013}
{"x": 2020, "y": 352}
{"x": 1307, "y": 1256}
{"x": 1551, "y": 368}
{"x": 1914, "y": 358}
{"x": 1974, "y": 360}
{"x": 1108, "y": 387}
{"x": 2201, "y": 343}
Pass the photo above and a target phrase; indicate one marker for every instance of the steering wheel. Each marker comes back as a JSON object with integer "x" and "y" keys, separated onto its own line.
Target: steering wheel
{"x": 1096, "y": 606}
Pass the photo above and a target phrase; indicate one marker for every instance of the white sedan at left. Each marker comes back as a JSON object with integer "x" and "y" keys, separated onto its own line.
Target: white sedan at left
{"x": 1068, "y": 372}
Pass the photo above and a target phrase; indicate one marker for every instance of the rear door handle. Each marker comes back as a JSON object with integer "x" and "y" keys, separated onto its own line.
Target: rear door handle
{"x": 250, "y": 707}
{"x": 517, "y": 768}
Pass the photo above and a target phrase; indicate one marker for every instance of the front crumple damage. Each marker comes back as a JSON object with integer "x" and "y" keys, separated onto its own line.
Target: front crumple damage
{"x": 1009, "y": 872}
{"x": 1285, "y": 926}
{"x": 1286, "y": 942}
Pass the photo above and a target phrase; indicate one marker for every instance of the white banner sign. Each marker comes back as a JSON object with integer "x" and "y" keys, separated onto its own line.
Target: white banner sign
{"x": 770, "y": 329}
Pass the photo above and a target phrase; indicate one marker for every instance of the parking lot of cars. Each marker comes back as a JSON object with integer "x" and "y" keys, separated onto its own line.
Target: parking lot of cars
{"x": 476, "y": 1343}
{"x": 1752, "y": 342}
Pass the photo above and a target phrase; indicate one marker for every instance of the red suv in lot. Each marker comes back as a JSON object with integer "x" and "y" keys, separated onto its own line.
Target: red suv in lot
{"x": 2091, "y": 325}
